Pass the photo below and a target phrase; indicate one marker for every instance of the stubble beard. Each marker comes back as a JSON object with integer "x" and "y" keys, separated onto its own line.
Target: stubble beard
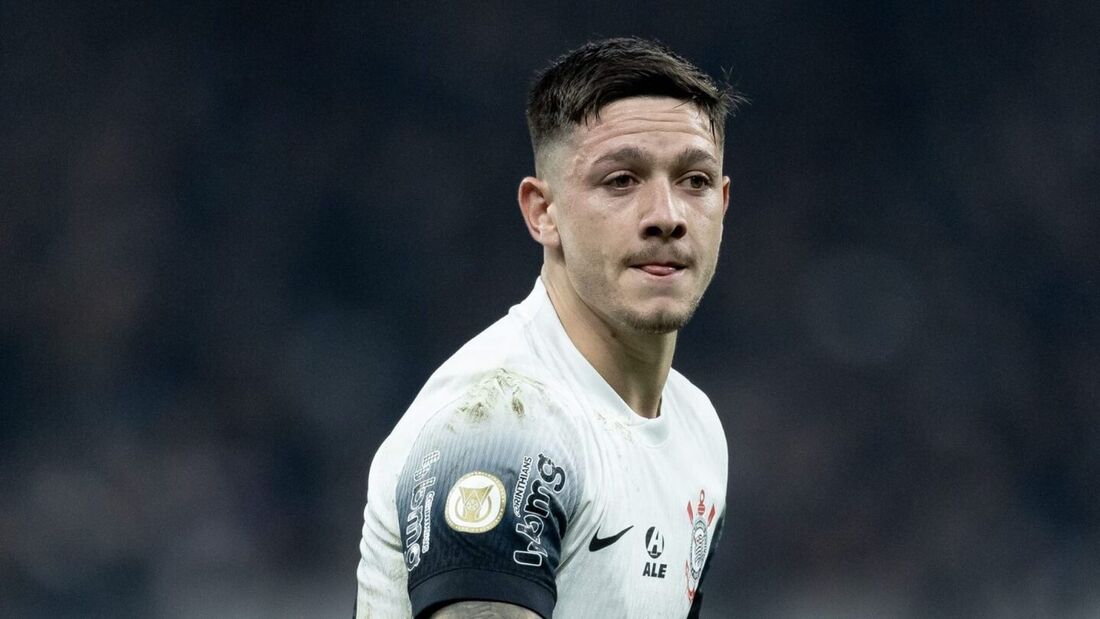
{"x": 664, "y": 321}
{"x": 659, "y": 323}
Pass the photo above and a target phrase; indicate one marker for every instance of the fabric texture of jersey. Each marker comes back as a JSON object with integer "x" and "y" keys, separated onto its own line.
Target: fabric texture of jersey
{"x": 519, "y": 475}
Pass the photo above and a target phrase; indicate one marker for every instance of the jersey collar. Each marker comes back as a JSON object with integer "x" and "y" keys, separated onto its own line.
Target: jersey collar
{"x": 542, "y": 320}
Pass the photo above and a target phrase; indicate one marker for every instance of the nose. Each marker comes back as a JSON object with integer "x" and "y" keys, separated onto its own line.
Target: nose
{"x": 663, "y": 217}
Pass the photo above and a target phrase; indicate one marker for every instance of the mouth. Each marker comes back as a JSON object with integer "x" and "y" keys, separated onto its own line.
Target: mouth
{"x": 660, "y": 269}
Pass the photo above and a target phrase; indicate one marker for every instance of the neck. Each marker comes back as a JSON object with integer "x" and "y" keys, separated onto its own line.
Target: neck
{"x": 634, "y": 364}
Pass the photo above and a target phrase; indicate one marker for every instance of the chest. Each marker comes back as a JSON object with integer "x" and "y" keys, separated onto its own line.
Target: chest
{"x": 644, "y": 530}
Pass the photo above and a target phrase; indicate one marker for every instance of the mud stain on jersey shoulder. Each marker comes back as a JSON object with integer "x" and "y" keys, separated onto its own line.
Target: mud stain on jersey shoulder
{"x": 474, "y": 411}
{"x": 489, "y": 394}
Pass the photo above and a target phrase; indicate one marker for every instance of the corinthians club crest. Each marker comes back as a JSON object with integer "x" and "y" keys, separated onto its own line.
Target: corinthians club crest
{"x": 700, "y": 522}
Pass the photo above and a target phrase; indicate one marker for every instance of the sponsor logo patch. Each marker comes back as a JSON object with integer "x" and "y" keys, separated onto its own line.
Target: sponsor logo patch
{"x": 536, "y": 510}
{"x": 654, "y": 547}
{"x": 418, "y": 520}
{"x": 521, "y": 487}
{"x": 475, "y": 503}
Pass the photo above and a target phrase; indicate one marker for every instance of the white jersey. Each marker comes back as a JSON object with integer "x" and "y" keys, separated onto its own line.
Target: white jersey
{"x": 519, "y": 475}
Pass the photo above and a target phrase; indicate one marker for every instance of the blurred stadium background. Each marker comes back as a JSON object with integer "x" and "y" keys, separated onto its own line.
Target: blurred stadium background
{"x": 235, "y": 239}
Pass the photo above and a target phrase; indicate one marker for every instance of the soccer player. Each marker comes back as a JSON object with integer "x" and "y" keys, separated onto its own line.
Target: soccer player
{"x": 557, "y": 465}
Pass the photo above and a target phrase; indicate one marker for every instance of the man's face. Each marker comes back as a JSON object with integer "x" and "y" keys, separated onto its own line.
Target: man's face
{"x": 638, "y": 201}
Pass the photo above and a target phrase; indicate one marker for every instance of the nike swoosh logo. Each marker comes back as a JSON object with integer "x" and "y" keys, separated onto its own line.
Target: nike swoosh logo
{"x": 599, "y": 543}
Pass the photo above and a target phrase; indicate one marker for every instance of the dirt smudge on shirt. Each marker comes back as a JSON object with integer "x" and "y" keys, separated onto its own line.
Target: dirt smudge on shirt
{"x": 474, "y": 411}
{"x": 490, "y": 394}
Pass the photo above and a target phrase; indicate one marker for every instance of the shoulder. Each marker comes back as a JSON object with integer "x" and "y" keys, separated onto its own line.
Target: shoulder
{"x": 698, "y": 414}
{"x": 495, "y": 384}
{"x": 500, "y": 399}
{"x": 496, "y": 360}
{"x": 694, "y": 398}
{"x": 502, "y": 357}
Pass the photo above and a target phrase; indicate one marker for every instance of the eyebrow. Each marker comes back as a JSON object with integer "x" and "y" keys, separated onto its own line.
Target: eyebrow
{"x": 633, "y": 154}
{"x": 693, "y": 156}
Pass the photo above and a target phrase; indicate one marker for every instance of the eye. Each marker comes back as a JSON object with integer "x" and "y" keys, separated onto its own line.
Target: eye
{"x": 620, "y": 181}
{"x": 697, "y": 181}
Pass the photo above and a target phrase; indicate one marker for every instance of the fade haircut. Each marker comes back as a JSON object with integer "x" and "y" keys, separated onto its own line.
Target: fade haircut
{"x": 576, "y": 86}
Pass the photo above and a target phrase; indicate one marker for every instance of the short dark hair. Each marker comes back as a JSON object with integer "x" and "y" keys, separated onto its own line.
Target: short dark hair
{"x": 576, "y": 86}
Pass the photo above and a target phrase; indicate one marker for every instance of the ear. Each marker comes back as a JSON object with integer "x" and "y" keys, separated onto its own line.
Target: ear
{"x": 535, "y": 202}
{"x": 725, "y": 194}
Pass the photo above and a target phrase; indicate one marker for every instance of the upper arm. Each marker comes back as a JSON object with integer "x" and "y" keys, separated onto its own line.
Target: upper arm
{"x": 484, "y": 610}
{"x": 484, "y": 499}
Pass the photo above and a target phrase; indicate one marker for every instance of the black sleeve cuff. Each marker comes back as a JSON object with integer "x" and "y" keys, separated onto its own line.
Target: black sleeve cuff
{"x": 474, "y": 584}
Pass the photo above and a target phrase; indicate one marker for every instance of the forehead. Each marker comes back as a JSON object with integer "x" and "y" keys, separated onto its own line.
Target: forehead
{"x": 648, "y": 122}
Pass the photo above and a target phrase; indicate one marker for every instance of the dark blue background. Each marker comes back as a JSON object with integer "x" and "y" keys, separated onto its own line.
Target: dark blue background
{"x": 235, "y": 239}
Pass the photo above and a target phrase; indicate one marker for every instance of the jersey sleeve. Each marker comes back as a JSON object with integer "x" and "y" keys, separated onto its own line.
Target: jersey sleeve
{"x": 485, "y": 497}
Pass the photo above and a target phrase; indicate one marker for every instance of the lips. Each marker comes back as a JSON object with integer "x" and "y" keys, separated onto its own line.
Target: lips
{"x": 660, "y": 262}
{"x": 658, "y": 269}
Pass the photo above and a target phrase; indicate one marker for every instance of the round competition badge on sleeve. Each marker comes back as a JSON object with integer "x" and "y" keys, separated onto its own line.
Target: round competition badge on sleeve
{"x": 475, "y": 503}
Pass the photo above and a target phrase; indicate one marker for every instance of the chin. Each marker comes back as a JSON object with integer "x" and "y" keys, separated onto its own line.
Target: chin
{"x": 658, "y": 322}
